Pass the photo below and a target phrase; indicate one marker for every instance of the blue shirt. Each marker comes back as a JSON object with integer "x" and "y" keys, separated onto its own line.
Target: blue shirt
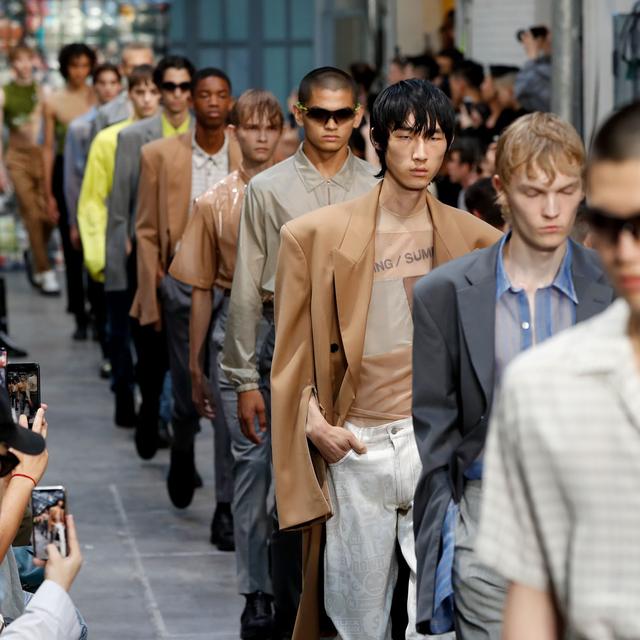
{"x": 516, "y": 329}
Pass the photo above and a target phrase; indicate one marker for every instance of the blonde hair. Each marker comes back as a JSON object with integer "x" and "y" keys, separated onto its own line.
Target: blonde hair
{"x": 538, "y": 142}
{"x": 258, "y": 103}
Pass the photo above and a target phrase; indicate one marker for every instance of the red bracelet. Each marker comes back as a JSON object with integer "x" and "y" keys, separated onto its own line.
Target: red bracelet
{"x": 24, "y": 475}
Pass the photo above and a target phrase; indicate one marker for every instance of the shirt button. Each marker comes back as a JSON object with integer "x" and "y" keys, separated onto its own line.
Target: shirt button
{"x": 525, "y": 325}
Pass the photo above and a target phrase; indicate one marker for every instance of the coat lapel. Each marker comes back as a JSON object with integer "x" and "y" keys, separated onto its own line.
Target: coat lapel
{"x": 593, "y": 294}
{"x": 179, "y": 180}
{"x": 477, "y": 313}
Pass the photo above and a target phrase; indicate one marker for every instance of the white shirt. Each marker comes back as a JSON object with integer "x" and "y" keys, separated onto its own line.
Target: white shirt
{"x": 206, "y": 170}
{"x": 50, "y": 615}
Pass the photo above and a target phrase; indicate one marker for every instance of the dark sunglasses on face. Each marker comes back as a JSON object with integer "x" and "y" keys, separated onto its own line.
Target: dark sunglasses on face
{"x": 317, "y": 114}
{"x": 172, "y": 86}
{"x": 609, "y": 227}
{"x": 8, "y": 462}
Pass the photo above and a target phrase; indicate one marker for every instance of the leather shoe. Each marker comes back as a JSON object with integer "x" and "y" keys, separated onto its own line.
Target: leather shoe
{"x": 222, "y": 528}
{"x": 146, "y": 436}
{"x": 125, "y": 412}
{"x": 256, "y": 620}
{"x": 181, "y": 478}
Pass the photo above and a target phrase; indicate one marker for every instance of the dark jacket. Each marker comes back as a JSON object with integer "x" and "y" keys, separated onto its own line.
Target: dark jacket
{"x": 453, "y": 378}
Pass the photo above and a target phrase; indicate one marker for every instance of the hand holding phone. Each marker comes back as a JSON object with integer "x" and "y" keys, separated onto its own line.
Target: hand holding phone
{"x": 49, "y": 507}
{"x": 23, "y": 385}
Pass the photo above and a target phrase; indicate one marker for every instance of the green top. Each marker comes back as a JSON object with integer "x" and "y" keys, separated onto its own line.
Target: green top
{"x": 19, "y": 103}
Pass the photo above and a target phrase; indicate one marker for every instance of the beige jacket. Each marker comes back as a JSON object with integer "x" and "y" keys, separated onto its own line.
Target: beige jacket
{"x": 323, "y": 286}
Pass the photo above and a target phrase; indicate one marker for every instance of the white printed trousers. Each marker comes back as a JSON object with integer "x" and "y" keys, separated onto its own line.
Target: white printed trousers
{"x": 372, "y": 501}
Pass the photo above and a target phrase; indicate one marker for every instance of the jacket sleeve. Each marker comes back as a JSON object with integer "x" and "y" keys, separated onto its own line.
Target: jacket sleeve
{"x": 299, "y": 496}
{"x": 435, "y": 420}
{"x": 145, "y": 304}
{"x": 239, "y": 361}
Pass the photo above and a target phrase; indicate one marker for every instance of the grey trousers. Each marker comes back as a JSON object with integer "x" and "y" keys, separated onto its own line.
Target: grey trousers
{"x": 252, "y": 486}
{"x": 176, "y": 305}
{"x": 479, "y": 592}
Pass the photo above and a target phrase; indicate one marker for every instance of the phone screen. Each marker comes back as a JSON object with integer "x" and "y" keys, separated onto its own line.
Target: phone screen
{"x": 49, "y": 507}
{"x": 23, "y": 385}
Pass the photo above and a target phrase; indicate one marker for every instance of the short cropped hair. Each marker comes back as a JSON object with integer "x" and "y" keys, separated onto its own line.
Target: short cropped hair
{"x": 105, "y": 67}
{"x": 471, "y": 72}
{"x": 172, "y": 62}
{"x": 19, "y": 49}
{"x": 209, "y": 72}
{"x": 481, "y": 197}
{"x": 70, "y": 52}
{"x": 259, "y": 104}
{"x": 326, "y": 78}
{"x": 392, "y": 109}
{"x": 142, "y": 74}
{"x": 468, "y": 149}
{"x": 618, "y": 139}
{"x": 538, "y": 141}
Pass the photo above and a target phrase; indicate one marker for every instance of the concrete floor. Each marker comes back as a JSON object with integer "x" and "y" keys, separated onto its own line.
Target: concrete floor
{"x": 150, "y": 571}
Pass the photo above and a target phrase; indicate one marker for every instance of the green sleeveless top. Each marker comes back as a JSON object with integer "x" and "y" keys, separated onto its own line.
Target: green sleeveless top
{"x": 19, "y": 103}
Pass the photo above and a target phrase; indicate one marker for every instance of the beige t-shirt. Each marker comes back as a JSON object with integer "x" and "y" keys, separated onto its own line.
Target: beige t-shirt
{"x": 403, "y": 254}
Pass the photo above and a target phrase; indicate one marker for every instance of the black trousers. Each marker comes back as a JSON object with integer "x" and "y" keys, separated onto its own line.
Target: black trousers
{"x": 74, "y": 271}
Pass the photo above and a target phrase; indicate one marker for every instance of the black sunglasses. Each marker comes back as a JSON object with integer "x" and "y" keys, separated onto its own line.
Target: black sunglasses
{"x": 609, "y": 227}
{"x": 318, "y": 114}
{"x": 172, "y": 86}
{"x": 8, "y": 462}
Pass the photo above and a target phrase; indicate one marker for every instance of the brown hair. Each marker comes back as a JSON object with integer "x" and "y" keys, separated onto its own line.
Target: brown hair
{"x": 142, "y": 74}
{"x": 257, "y": 103}
{"x": 19, "y": 49}
{"x": 538, "y": 142}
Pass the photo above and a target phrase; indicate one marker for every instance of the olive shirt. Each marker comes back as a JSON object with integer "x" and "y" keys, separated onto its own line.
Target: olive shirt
{"x": 277, "y": 195}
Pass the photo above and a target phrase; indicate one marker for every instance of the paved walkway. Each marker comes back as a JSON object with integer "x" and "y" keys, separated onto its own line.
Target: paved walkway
{"x": 149, "y": 572}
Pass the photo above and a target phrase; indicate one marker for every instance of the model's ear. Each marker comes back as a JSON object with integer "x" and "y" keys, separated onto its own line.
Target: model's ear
{"x": 497, "y": 183}
{"x": 375, "y": 144}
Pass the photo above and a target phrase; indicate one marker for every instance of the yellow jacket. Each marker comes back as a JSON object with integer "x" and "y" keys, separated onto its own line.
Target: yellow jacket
{"x": 94, "y": 194}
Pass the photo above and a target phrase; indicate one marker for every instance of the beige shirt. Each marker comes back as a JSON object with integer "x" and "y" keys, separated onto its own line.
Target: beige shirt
{"x": 275, "y": 196}
{"x": 207, "y": 252}
{"x": 403, "y": 254}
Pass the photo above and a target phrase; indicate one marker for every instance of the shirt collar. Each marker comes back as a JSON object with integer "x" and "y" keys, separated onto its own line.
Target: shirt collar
{"x": 169, "y": 130}
{"x": 563, "y": 281}
{"x": 312, "y": 178}
{"x": 201, "y": 157}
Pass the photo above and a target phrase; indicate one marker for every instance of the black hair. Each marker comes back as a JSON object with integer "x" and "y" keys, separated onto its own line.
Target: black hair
{"x": 469, "y": 150}
{"x": 481, "y": 197}
{"x": 104, "y": 68}
{"x": 70, "y": 52}
{"x": 427, "y": 64}
{"x": 470, "y": 71}
{"x": 209, "y": 72}
{"x": 326, "y": 78}
{"x": 455, "y": 55}
{"x": 429, "y": 106}
{"x": 142, "y": 74}
{"x": 172, "y": 62}
{"x": 618, "y": 139}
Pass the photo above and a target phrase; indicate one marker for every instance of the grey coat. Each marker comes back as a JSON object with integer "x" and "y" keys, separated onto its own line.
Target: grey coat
{"x": 114, "y": 111}
{"x": 122, "y": 201}
{"x": 453, "y": 380}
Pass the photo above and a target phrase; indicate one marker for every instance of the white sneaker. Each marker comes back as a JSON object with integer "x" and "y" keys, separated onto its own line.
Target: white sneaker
{"x": 49, "y": 285}
{"x": 37, "y": 278}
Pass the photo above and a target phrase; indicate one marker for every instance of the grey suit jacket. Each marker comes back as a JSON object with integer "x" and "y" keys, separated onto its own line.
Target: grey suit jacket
{"x": 114, "y": 111}
{"x": 122, "y": 201}
{"x": 453, "y": 378}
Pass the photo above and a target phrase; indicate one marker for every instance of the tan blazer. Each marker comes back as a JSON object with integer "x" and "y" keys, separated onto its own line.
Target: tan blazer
{"x": 164, "y": 198}
{"x": 323, "y": 287}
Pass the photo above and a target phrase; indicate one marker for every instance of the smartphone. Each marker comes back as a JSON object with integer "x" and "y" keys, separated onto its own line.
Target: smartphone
{"x": 23, "y": 385}
{"x": 49, "y": 508}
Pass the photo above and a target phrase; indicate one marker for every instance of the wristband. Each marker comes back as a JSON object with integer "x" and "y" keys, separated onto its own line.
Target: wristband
{"x": 24, "y": 475}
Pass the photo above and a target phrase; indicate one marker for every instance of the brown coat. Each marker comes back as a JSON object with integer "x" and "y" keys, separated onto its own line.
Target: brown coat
{"x": 164, "y": 199}
{"x": 323, "y": 288}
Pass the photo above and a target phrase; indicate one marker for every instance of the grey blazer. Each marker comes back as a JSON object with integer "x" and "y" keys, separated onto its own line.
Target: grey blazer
{"x": 114, "y": 111}
{"x": 453, "y": 377}
{"x": 122, "y": 201}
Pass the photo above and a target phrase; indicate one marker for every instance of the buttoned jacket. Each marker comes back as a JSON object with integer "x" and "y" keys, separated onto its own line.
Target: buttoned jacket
{"x": 164, "y": 202}
{"x": 323, "y": 287}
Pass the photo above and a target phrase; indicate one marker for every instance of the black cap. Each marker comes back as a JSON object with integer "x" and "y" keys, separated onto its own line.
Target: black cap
{"x": 500, "y": 70}
{"x": 13, "y": 434}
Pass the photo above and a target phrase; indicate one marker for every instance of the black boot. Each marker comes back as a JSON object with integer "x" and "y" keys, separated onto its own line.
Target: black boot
{"x": 222, "y": 528}
{"x": 181, "y": 478}
{"x": 125, "y": 411}
{"x": 257, "y": 620}
{"x": 146, "y": 436}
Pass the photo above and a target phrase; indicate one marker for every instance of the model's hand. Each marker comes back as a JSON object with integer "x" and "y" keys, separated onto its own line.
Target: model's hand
{"x": 52, "y": 210}
{"x": 63, "y": 571}
{"x": 333, "y": 443}
{"x": 201, "y": 395}
{"x": 33, "y": 466}
{"x": 251, "y": 406}
{"x": 74, "y": 236}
